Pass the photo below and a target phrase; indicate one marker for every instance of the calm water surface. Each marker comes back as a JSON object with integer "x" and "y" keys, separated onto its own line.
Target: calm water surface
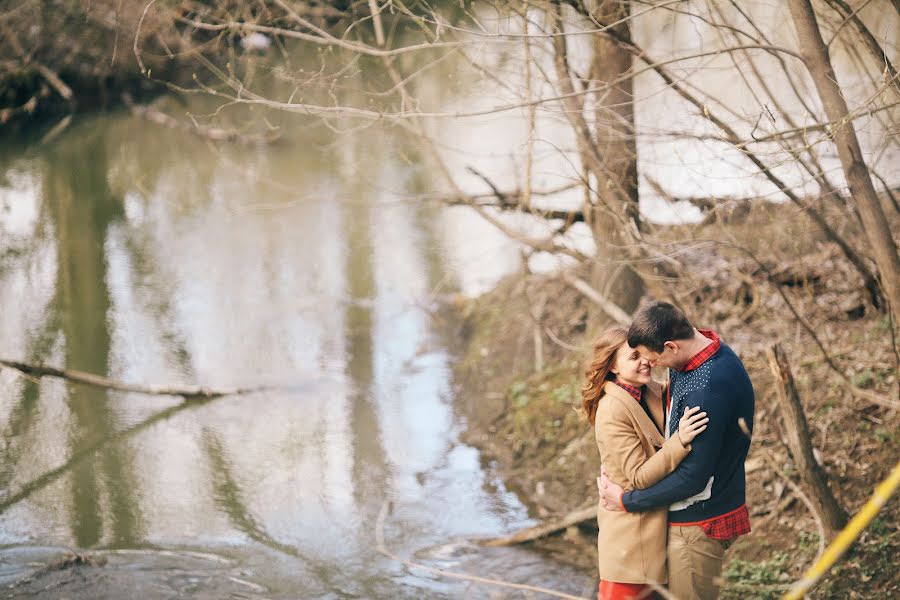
{"x": 153, "y": 256}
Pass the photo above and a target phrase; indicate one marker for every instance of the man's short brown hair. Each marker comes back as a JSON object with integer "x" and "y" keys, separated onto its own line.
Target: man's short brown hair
{"x": 656, "y": 323}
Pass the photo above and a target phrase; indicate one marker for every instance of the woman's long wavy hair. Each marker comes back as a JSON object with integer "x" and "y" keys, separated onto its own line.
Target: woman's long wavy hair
{"x": 599, "y": 368}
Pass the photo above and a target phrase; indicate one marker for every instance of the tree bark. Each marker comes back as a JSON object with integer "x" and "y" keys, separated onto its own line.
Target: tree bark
{"x": 815, "y": 56}
{"x": 614, "y": 206}
{"x": 617, "y": 182}
{"x": 797, "y": 431}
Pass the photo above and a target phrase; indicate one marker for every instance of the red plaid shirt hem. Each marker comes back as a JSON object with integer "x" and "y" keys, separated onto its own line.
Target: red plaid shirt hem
{"x": 725, "y": 527}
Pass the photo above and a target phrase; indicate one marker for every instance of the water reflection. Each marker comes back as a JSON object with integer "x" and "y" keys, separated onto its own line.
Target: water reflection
{"x": 369, "y": 469}
{"x": 166, "y": 259}
{"x": 81, "y": 209}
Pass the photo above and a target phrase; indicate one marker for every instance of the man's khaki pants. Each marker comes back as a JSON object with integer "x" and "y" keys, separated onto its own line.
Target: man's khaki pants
{"x": 695, "y": 563}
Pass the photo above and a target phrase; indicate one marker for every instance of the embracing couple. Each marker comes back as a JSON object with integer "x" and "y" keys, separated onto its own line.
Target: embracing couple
{"x": 672, "y": 490}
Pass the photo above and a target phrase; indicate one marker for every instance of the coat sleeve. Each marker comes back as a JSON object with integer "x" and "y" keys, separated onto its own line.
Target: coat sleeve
{"x": 624, "y": 448}
{"x": 693, "y": 474}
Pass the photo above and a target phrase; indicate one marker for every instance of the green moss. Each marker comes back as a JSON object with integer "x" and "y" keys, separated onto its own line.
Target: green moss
{"x": 761, "y": 580}
{"x": 864, "y": 379}
{"x": 884, "y": 435}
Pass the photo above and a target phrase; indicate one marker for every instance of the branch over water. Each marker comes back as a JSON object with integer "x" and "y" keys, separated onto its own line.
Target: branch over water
{"x": 187, "y": 392}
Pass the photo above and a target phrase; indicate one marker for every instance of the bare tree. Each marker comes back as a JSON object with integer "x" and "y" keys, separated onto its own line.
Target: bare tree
{"x": 609, "y": 151}
{"x": 599, "y": 102}
{"x": 815, "y": 56}
{"x": 617, "y": 136}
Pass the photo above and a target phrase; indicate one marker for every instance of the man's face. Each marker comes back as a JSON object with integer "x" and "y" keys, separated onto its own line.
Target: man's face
{"x": 667, "y": 358}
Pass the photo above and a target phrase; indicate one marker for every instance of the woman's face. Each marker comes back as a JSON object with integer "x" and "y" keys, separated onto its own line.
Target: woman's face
{"x": 629, "y": 367}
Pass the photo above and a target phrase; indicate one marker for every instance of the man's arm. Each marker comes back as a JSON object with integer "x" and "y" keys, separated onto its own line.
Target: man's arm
{"x": 693, "y": 474}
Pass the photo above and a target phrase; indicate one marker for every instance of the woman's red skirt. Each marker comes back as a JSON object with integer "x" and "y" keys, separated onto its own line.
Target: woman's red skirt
{"x": 613, "y": 590}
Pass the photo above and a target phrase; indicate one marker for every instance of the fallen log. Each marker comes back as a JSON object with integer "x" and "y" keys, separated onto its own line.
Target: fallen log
{"x": 576, "y": 517}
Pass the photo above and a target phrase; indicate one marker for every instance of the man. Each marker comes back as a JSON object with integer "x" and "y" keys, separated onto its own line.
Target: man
{"x": 706, "y": 493}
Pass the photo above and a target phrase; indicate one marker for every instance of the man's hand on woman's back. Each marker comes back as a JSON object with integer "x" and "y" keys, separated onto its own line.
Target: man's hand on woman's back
{"x": 610, "y": 492}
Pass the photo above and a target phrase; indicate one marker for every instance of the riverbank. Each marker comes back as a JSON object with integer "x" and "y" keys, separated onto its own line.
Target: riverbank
{"x": 61, "y": 57}
{"x": 67, "y": 57}
{"x": 520, "y": 374}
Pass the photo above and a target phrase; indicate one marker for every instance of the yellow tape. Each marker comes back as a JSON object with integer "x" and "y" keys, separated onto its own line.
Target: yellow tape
{"x": 847, "y": 536}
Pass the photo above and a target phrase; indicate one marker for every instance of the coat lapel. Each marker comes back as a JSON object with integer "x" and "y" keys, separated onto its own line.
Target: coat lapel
{"x": 648, "y": 429}
{"x": 655, "y": 401}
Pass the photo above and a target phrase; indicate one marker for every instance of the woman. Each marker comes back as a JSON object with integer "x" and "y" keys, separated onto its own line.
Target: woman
{"x": 626, "y": 408}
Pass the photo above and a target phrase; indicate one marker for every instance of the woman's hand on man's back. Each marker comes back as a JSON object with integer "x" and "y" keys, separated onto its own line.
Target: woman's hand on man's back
{"x": 692, "y": 424}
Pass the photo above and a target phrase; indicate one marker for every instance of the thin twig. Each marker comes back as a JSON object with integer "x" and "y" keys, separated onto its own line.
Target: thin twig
{"x": 561, "y": 343}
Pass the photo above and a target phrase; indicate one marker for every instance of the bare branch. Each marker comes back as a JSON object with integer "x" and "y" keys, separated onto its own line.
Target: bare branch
{"x": 851, "y": 15}
{"x": 610, "y": 308}
{"x": 190, "y": 391}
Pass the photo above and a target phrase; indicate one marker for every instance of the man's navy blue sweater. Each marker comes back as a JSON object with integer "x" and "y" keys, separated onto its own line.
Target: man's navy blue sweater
{"x": 721, "y": 387}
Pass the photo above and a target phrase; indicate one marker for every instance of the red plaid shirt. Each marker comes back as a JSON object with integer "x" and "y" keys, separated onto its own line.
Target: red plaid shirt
{"x": 724, "y": 527}
{"x": 705, "y": 354}
{"x": 737, "y": 522}
{"x": 636, "y": 392}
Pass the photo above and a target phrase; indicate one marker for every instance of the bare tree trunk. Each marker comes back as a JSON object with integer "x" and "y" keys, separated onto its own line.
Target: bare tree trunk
{"x": 613, "y": 207}
{"x": 617, "y": 182}
{"x": 869, "y": 279}
{"x": 814, "y": 478}
{"x": 815, "y": 56}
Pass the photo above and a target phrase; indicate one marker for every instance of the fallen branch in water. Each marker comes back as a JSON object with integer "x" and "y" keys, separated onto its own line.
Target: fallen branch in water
{"x": 530, "y": 534}
{"x": 576, "y": 517}
{"x": 55, "y": 81}
{"x": 187, "y": 392}
{"x": 78, "y": 456}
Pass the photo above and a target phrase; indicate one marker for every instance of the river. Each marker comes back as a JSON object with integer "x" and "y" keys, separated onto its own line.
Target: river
{"x": 153, "y": 256}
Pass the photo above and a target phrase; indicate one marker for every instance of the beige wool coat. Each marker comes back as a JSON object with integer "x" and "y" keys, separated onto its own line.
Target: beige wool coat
{"x": 632, "y": 546}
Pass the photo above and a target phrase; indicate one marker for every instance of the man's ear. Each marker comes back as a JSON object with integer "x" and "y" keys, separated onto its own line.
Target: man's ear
{"x": 673, "y": 346}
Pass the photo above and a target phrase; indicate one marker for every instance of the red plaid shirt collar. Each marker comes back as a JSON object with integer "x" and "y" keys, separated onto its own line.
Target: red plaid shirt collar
{"x": 636, "y": 392}
{"x": 705, "y": 354}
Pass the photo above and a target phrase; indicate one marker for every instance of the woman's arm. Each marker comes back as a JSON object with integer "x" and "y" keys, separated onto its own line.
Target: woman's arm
{"x": 624, "y": 448}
